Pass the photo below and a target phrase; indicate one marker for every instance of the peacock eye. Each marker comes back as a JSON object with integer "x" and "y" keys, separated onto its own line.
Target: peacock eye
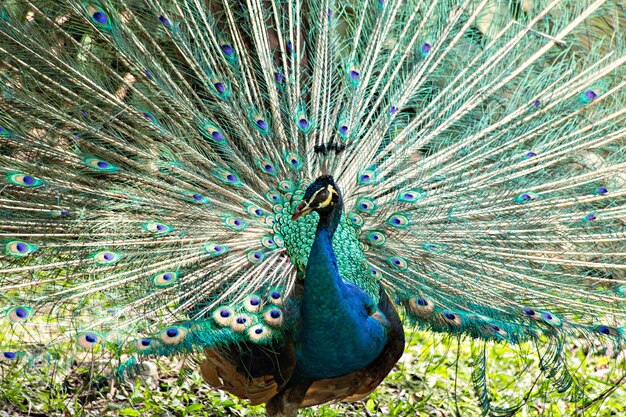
{"x": 252, "y": 303}
{"x": 19, "y": 314}
{"x": 88, "y": 340}
{"x": 259, "y": 333}
{"x": 157, "y": 228}
{"x": 240, "y": 323}
{"x": 99, "y": 165}
{"x": 165, "y": 279}
{"x": 143, "y": 344}
{"x": 173, "y": 335}
{"x": 376, "y": 238}
{"x": 23, "y": 180}
{"x": 276, "y": 297}
{"x": 375, "y": 272}
{"x": 355, "y": 219}
{"x": 106, "y": 257}
{"x": 321, "y": 197}
{"x": 273, "y": 317}
{"x": 255, "y": 256}
{"x": 551, "y": 319}
{"x": 269, "y": 242}
{"x": 606, "y": 330}
{"x": 19, "y": 249}
{"x": 366, "y": 205}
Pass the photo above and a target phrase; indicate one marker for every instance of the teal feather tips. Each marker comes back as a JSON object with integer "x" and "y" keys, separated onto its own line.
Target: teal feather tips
{"x": 153, "y": 156}
{"x": 261, "y": 319}
{"x": 99, "y": 165}
{"x": 100, "y": 16}
{"x": 23, "y": 180}
{"x": 19, "y": 249}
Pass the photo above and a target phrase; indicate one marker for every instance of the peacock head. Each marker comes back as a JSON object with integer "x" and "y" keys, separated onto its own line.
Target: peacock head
{"x": 322, "y": 196}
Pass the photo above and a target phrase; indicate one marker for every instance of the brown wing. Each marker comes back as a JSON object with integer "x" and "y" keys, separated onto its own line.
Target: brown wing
{"x": 251, "y": 372}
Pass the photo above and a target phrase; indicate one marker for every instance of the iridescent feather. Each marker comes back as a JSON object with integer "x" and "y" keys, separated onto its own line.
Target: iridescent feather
{"x": 152, "y": 155}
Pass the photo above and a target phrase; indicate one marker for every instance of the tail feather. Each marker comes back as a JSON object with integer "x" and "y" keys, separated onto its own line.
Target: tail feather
{"x": 152, "y": 153}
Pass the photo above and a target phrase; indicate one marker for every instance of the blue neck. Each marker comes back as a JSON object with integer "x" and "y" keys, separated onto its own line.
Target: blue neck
{"x": 337, "y": 335}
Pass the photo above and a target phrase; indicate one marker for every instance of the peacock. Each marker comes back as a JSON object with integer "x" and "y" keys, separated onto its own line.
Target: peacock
{"x": 277, "y": 189}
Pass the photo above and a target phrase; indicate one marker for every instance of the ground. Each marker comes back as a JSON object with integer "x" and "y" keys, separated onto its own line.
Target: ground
{"x": 428, "y": 381}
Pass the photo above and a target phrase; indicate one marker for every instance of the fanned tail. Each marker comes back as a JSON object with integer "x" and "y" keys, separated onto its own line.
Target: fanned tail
{"x": 152, "y": 153}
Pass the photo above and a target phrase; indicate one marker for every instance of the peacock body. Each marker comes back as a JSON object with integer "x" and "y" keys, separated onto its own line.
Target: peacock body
{"x": 274, "y": 187}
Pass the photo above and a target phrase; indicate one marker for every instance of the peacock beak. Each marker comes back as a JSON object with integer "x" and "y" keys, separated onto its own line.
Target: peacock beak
{"x": 301, "y": 210}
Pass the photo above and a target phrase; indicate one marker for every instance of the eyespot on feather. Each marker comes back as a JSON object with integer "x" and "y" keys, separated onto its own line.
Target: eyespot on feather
{"x": 287, "y": 186}
{"x": 98, "y": 16}
{"x": 215, "y": 249}
{"x": 607, "y": 330}
{"x": 106, "y": 257}
{"x": 88, "y": 339}
{"x": 551, "y": 319}
{"x": 343, "y": 129}
{"x": 260, "y": 123}
{"x": 259, "y": 333}
{"x": 526, "y": 197}
{"x": 375, "y": 272}
{"x": 99, "y": 165}
{"x": 223, "y": 316}
{"x": 273, "y": 317}
{"x": 173, "y": 335}
{"x": 398, "y": 220}
{"x": 376, "y": 238}
{"x": 421, "y": 306}
{"x": 453, "y": 319}
{"x": 266, "y": 166}
{"x": 268, "y": 242}
{"x": 227, "y": 177}
{"x": 411, "y": 196}
{"x": 494, "y": 328}
{"x": 303, "y": 122}
{"x": 165, "y": 279}
{"x": 19, "y": 314}
{"x": 398, "y": 262}
{"x": 276, "y": 297}
{"x": 294, "y": 161}
{"x": 8, "y": 356}
{"x": 212, "y": 132}
{"x": 434, "y": 247}
{"x": 355, "y": 219}
{"x": 254, "y": 210}
{"x": 255, "y": 256}
{"x": 220, "y": 87}
{"x": 143, "y": 345}
{"x": 367, "y": 177}
{"x": 228, "y": 51}
{"x": 252, "y": 303}
{"x": 157, "y": 228}
{"x": 274, "y": 197}
{"x": 354, "y": 74}
{"x": 197, "y": 198}
{"x": 235, "y": 223}
{"x": 366, "y": 205}
{"x": 241, "y": 322}
{"x": 23, "y": 180}
{"x": 19, "y": 249}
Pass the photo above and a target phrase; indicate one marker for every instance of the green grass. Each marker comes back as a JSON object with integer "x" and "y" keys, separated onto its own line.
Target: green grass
{"x": 428, "y": 381}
